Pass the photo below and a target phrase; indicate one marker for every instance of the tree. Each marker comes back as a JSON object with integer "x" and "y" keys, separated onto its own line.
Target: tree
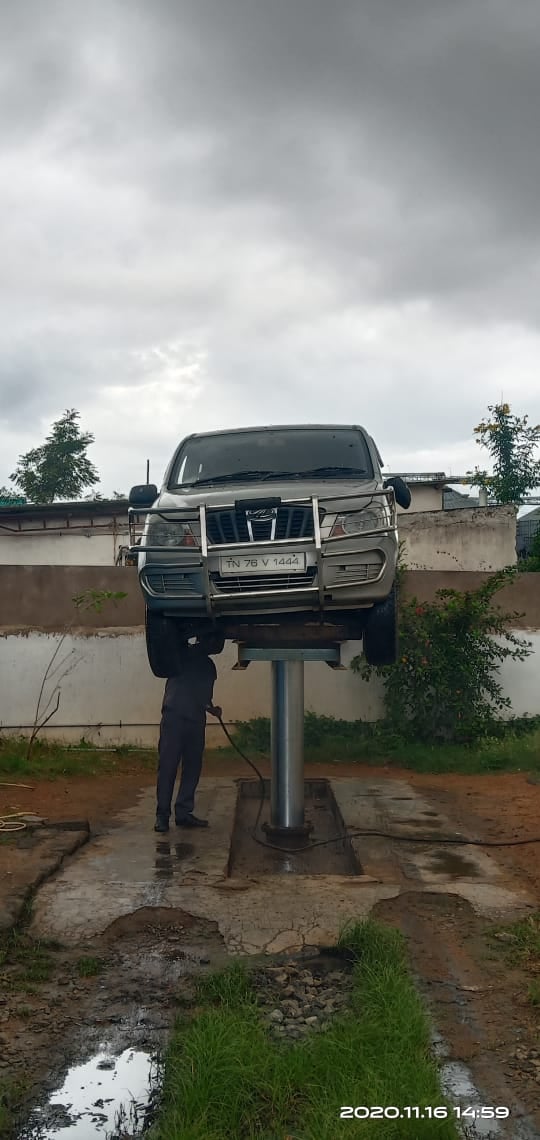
{"x": 60, "y": 468}
{"x": 511, "y": 443}
{"x": 9, "y": 498}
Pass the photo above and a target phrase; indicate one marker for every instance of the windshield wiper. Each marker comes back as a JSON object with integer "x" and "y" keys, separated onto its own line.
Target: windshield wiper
{"x": 320, "y": 471}
{"x": 230, "y": 478}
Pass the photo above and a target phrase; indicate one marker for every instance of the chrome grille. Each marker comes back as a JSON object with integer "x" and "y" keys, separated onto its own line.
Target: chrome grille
{"x": 237, "y": 584}
{"x": 224, "y": 527}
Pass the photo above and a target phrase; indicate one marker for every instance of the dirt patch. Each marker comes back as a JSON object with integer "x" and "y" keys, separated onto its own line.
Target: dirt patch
{"x": 95, "y": 798}
{"x": 478, "y": 1002}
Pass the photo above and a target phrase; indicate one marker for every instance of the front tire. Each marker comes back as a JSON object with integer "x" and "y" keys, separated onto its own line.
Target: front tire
{"x": 381, "y": 632}
{"x": 164, "y": 644}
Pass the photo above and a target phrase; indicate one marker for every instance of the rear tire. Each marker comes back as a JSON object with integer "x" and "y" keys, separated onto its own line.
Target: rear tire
{"x": 381, "y": 632}
{"x": 165, "y": 646}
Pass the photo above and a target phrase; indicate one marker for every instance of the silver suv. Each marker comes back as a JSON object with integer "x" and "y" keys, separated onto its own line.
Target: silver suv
{"x": 270, "y": 532}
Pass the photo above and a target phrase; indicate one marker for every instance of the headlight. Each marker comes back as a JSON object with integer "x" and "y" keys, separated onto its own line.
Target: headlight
{"x": 357, "y": 522}
{"x": 169, "y": 532}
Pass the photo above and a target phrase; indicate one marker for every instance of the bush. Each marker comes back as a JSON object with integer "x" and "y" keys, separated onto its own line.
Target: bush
{"x": 443, "y": 687}
{"x": 531, "y": 564}
{"x": 318, "y": 731}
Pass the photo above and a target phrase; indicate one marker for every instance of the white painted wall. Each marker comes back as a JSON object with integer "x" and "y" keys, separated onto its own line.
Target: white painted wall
{"x": 35, "y": 545}
{"x": 58, "y": 549}
{"x": 481, "y": 538}
{"x": 104, "y": 678}
{"x": 423, "y": 499}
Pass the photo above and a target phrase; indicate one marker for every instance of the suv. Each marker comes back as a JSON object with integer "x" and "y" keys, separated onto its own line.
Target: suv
{"x": 283, "y": 534}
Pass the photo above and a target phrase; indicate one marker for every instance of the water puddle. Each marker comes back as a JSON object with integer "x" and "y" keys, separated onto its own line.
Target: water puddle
{"x": 457, "y": 1084}
{"x": 107, "y": 1097}
{"x": 163, "y": 863}
{"x": 453, "y": 865}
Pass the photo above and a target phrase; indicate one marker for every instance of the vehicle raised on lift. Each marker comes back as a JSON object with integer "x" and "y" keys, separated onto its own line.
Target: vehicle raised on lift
{"x": 291, "y": 529}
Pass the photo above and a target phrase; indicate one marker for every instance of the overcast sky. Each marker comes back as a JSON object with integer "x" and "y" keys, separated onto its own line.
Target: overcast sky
{"x": 216, "y": 213}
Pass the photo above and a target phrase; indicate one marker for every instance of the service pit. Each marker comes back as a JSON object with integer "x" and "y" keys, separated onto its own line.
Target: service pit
{"x": 255, "y": 851}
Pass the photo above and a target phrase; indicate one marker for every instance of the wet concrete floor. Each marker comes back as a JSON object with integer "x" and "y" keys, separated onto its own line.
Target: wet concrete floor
{"x": 130, "y": 868}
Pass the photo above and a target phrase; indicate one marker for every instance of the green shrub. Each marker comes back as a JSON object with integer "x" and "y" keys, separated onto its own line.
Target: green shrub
{"x": 444, "y": 686}
{"x": 532, "y": 563}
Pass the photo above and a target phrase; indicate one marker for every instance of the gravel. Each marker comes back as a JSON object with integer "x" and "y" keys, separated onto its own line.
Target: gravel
{"x": 295, "y": 1001}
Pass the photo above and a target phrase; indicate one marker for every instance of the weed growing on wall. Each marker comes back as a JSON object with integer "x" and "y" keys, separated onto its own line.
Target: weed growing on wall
{"x": 444, "y": 686}
{"x": 89, "y": 600}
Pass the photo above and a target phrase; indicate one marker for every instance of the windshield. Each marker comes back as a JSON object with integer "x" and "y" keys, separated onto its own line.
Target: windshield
{"x": 272, "y": 453}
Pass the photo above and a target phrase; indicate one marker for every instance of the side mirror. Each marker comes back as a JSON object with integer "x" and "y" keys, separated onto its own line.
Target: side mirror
{"x": 143, "y": 495}
{"x": 401, "y": 491}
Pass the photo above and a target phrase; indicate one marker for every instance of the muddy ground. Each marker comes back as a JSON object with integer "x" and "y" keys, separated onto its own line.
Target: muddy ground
{"x": 479, "y": 995}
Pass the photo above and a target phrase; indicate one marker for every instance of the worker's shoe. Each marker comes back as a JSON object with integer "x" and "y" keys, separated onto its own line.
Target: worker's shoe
{"x": 190, "y": 821}
{"x": 161, "y": 824}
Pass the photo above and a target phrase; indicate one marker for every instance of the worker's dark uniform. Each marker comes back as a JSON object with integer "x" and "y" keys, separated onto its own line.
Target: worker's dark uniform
{"x": 182, "y": 732}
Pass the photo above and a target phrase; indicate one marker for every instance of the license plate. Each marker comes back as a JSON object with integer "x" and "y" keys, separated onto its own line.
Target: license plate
{"x": 263, "y": 564}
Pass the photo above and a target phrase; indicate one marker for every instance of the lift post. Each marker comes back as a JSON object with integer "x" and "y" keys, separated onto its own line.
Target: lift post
{"x": 287, "y": 730}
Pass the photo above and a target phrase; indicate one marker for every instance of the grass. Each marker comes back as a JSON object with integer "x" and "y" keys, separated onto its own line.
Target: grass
{"x": 533, "y": 994}
{"x": 520, "y": 940}
{"x": 90, "y": 967}
{"x": 51, "y": 761}
{"x": 226, "y": 1079}
{"x": 24, "y": 964}
{"x": 12, "y": 1094}
{"x": 514, "y": 747}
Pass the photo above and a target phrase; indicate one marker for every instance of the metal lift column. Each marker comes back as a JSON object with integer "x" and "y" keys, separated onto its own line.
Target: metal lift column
{"x": 287, "y": 731}
{"x": 287, "y": 785}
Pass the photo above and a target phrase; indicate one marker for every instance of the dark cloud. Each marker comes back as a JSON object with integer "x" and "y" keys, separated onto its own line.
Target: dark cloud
{"x": 290, "y": 210}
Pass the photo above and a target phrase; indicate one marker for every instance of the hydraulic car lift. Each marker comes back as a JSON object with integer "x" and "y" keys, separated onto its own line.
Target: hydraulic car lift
{"x": 287, "y": 729}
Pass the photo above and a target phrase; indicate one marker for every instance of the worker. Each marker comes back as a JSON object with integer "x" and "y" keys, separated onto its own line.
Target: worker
{"x": 188, "y": 697}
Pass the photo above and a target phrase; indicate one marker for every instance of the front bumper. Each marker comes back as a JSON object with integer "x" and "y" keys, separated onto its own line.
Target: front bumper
{"x": 338, "y": 573}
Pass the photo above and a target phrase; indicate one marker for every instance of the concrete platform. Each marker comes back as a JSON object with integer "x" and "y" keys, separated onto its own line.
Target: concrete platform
{"x": 131, "y": 867}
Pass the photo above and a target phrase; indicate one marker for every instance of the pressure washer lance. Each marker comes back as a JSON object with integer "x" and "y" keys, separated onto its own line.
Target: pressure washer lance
{"x": 437, "y": 839}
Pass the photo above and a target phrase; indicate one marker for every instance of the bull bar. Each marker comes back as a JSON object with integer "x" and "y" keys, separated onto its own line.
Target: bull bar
{"x": 201, "y": 550}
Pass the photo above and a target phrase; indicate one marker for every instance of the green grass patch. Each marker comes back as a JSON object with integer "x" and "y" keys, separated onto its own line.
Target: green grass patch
{"x": 90, "y": 967}
{"x": 513, "y": 746}
{"x": 520, "y": 941}
{"x": 51, "y": 761}
{"x": 12, "y": 1094}
{"x": 533, "y": 994}
{"x": 25, "y": 963}
{"x": 227, "y": 1079}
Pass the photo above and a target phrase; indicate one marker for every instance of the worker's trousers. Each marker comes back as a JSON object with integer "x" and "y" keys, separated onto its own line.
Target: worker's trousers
{"x": 180, "y": 742}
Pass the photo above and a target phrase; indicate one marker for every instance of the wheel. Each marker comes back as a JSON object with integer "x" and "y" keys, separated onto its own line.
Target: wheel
{"x": 164, "y": 644}
{"x": 381, "y": 632}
